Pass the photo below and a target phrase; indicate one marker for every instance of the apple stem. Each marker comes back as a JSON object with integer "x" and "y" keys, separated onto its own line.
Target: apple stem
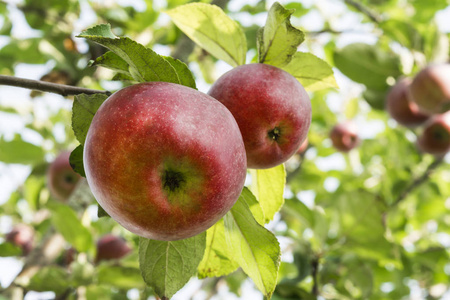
{"x": 44, "y": 86}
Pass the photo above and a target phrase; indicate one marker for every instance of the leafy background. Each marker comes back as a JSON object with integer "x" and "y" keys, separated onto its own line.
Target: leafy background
{"x": 347, "y": 229}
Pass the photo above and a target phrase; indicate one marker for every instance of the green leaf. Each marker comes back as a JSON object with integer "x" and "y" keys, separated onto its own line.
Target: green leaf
{"x": 101, "y": 212}
{"x": 167, "y": 266}
{"x": 144, "y": 63}
{"x": 217, "y": 261}
{"x": 76, "y": 160}
{"x": 50, "y": 278}
{"x": 278, "y": 39}
{"x": 312, "y": 72}
{"x": 69, "y": 225}
{"x": 254, "y": 205}
{"x": 18, "y": 151}
{"x": 112, "y": 61}
{"x": 254, "y": 248}
{"x": 83, "y": 111}
{"x": 210, "y": 28}
{"x": 368, "y": 64}
{"x": 185, "y": 75}
{"x": 120, "y": 276}
{"x": 33, "y": 186}
{"x": 268, "y": 186}
{"x": 9, "y": 249}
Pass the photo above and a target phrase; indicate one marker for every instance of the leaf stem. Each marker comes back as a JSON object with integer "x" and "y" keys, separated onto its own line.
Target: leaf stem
{"x": 43, "y": 86}
{"x": 419, "y": 180}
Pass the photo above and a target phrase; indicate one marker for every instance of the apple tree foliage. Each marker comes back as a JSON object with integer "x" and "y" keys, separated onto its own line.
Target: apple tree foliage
{"x": 373, "y": 223}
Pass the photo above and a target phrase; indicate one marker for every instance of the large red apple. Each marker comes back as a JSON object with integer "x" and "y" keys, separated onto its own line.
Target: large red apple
{"x": 430, "y": 89}
{"x": 344, "y": 136}
{"x": 401, "y": 108}
{"x": 61, "y": 178}
{"x": 435, "y": 138}
{"x": 111, "y": 247}
{"x": 22, "y": 236}
{"x": 272, "y": 109}
{"x": 164, "y": 160}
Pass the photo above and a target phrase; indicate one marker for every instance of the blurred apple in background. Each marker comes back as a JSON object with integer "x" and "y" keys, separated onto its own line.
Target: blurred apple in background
{"x": 22, "y": 236}
{"x": 111, "y": 247}
{"x": 435, "y": 138}
{"x": 61, "y": 178}
{"x": 401, "y": 108}
{"x": 344, "y": 136}
{"x": 430, "y": 89}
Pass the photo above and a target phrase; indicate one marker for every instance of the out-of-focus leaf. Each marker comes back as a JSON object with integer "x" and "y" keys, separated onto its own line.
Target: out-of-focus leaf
{"x": 120, "y": 276}
{"x": 368, "y": 64}
{"x": 68, "y": 224}
{"x": 17, "y": 151}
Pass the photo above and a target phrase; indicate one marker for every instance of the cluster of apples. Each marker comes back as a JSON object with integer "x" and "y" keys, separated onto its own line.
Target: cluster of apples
{"x": 423, "y": 102}
{"x": 167, "y": 161}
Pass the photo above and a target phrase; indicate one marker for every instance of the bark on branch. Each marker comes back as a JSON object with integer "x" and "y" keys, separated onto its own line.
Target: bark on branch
{"x": 43, "y": 86}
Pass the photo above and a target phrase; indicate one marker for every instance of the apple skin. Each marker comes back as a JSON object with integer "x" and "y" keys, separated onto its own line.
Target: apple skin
{"x": 401, "y": 108}
{"x": 22, "y": 236}
{"x": 430, "y": 89}
{"x": 272, "y": 109}
{"x": 164, "y": 160}
{"x": 344, "y": 136}
{"x": 435, "y": 138}
{"x": 111, "y": 247}
{"x": 61, "y": 178}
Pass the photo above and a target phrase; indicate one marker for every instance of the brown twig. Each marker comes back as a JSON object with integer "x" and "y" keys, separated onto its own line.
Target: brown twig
{"x": 419, "y": 180}
{"x": 43, "y": 86}
{"x": 369, "y": 13}
{"x": 314, "y": 271}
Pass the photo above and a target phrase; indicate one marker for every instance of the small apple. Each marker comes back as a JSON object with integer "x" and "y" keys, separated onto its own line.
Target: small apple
{"x": 164, "y": 160}
{"x": 61, "y": 178}
{"x": 435, "y": 138}
{"x": 430, "y": 89}
{"x": 272, "y": 109}
{"x": 303, "y": 147}
{"x": 401, "y": 108}
{"x": 111, "y": 247}
{"x": 22, "y": 236}
{"x": 344, "y": 136}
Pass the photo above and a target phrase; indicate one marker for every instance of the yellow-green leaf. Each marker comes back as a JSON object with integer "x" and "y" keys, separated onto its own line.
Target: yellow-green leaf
{"x": 312, "y": 72}
{"x": 268, "y": 186}
{"x": 210, "y": 28}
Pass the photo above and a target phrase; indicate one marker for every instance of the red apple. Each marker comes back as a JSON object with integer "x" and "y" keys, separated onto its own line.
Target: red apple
{"x": 61, "y": 178}
{"x": 272, "y": 109}
{"x": 22, "y": 236}
{"x": 164, "y": 160}
{"x": 430, "y": 89}
{"x": 344, "y": 136}
{"x": 401, "y": 108}
{"x": 303, "y": 147}
{"x": 435, "y": 138}
{"x": 111, "y": 247}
